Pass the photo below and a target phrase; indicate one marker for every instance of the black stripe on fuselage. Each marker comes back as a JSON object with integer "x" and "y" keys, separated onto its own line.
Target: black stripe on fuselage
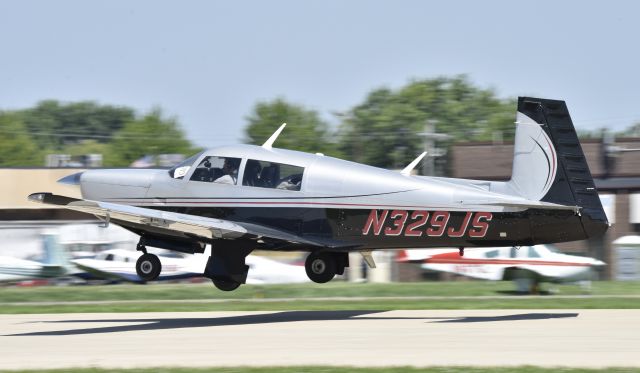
{"x": 504, "y": 229}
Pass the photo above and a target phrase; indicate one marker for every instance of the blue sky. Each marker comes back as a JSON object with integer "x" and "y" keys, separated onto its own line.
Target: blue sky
{"x": 209, "y": 62}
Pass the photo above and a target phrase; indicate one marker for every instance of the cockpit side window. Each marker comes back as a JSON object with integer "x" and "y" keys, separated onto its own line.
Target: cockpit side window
{"x": 178, "y": 171}
{"x": 492, "y": 254}
{"x": 222, "y": 170}
{"x": 272, "y": 175}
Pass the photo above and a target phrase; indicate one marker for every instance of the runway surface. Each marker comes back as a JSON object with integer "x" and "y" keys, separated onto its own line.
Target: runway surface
{"x": 577, "y": 338}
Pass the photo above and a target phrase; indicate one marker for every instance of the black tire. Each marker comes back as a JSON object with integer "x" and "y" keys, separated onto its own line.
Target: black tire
{"x": 321, "y": 267}
{"x": 226, "y": 285}
{"x": 148, "y": 267}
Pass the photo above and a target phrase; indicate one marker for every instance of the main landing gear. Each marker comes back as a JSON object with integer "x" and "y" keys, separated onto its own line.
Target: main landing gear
{"x": 322, "y": 266}
{"x": 226, "y": 266}
{"x": 148, "y": 266}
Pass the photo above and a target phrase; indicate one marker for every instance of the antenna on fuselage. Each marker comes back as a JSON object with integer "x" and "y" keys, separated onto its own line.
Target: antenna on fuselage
{"x": 407, "y": 170}
{"x": 269, "y": 143}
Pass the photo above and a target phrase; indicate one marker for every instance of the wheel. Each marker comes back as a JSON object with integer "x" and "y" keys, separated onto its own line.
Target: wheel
{"x": 321, "y": 267}
{"x": 148, "y": 267}
{"x": 226, "y": 285}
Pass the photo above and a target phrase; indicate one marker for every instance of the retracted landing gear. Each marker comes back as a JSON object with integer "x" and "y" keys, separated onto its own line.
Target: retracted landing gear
{"x": 322, "y": 266}
{"x": 148, "y": 266}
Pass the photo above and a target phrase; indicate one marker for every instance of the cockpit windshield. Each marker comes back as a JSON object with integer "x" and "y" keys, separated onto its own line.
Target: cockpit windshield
{"x": 178, "y": 171}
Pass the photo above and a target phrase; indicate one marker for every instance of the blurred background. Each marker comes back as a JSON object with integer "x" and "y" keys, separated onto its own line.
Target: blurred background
{"x": 147, "y": 84}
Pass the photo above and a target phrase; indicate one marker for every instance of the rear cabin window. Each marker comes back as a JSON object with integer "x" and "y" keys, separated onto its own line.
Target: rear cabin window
{"x": 212, "y": 169}
{"x": 272, "y": 175}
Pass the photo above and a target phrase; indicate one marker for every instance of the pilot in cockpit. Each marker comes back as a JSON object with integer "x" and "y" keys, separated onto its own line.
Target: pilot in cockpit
{"x": 230, "y": 170}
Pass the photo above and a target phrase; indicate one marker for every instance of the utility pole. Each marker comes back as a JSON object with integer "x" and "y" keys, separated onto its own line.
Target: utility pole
{"x": 430, "y": 137}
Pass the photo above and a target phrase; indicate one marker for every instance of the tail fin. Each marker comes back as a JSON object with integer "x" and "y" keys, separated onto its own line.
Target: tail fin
{"x": 54, "y": 254}
{"x": 549, "y": 164}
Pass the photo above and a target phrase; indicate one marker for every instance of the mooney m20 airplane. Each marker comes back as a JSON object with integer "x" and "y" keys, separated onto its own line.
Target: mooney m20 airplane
{"x": 240, "y": 198}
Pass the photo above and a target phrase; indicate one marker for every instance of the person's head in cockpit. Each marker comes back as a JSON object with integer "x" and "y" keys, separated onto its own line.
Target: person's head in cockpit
{"x": 231, "y": 166}
{"x": 230, "y": 171}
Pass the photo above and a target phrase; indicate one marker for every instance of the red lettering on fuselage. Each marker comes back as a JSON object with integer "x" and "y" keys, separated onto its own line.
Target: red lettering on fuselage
{"x": 413, "y": 229}
{"x": 375, "y": 221}
{"x": 400, "y": 222}
{"x": 451, "y": 232}
{"x": 480, "y": 227}
{"x": 400, "y": 217}
{"x": 439, "y": 221}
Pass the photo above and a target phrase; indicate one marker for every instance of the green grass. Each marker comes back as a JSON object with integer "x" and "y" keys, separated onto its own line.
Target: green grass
{"x": 334, "y": 289}
{"x": 169, "y": 297}
{"x": 324, "y": 305}
{"x": 326, "y": 369}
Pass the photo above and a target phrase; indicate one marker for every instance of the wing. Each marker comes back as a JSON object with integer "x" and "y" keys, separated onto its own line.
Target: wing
{"x": 172, "y": 223}
{"x": 102, "y": 273}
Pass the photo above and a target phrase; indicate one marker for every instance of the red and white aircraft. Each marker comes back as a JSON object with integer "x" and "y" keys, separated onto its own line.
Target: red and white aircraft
{"x": 527, "y": 266}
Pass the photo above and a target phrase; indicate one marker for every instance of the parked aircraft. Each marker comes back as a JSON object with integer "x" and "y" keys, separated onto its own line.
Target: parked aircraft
{"x": 527, "y": 266}
{"x": 244, "y": 197}
{"x": 119, "y": 264}
{"x": 54, "y": 264}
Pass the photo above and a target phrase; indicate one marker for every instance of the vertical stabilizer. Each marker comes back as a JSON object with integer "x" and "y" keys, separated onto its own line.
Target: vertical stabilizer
{"x": 549, "y": 164}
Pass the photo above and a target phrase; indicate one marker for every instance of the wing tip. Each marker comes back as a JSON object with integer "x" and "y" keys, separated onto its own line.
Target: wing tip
{"x": 38, "y": 197}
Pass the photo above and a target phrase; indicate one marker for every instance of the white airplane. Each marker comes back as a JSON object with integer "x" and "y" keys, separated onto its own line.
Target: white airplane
{"x": 54, "y": 264}
{"x": 120, "y": 264}
{"x": 527, "y": 266}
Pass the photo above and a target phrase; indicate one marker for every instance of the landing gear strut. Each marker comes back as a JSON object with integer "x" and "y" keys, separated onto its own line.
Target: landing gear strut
{"x": 226, "y": 266}
{"x": 148, "y": 266}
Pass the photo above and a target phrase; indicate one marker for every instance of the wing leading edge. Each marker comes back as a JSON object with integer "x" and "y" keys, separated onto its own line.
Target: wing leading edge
{"x": 172, "y": 223}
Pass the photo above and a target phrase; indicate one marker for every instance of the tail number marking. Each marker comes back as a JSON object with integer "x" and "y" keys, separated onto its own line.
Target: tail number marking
{"x": 400, "y": 222}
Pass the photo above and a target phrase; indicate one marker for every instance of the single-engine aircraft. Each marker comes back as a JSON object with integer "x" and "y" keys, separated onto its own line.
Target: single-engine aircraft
{"x": 119, "y": 265}
{"x": 244, "y": 197}
{"x": 527, "y": 266}
{"x": 54, "y": 263}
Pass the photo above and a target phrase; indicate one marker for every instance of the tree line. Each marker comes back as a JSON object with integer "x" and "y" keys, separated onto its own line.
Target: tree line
{"x": 79, "y": 128}
{"x": 387, "y": 129}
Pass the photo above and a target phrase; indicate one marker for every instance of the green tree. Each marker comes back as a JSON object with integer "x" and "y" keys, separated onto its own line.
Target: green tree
{"x": 54, "y": 124}
{"x": 386, "y": 129}
{"x": 631, "y": 131}
{"x": 305, "y": 130}
{"x": 149, "y": 135}
{"x": 86, "y": 147}
{"x": 16, "y": 147}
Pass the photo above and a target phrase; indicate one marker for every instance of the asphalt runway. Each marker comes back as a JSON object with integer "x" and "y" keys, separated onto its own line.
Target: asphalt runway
{"x": 576, "y": 338}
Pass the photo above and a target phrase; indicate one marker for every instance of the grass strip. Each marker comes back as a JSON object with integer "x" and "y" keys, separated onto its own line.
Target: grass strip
{"x": 336, "y": 369}
{"x": 379, "y": 304}
{"x": 309, "y": 290}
